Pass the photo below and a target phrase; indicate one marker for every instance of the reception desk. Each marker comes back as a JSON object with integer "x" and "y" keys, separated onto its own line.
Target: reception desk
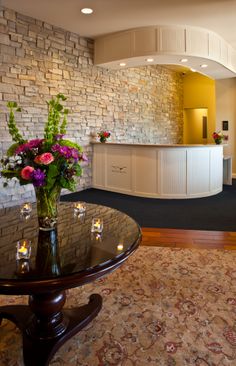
{"x": 158, "y": 171}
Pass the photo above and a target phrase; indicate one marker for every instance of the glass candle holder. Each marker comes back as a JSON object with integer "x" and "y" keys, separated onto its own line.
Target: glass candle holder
{"x": 80, "y": 217}
{"x": 23, "y": 249}
{"x": 79, "y": 207}
{"x": 97, "y": 225}
{"x": 26, "y": 208}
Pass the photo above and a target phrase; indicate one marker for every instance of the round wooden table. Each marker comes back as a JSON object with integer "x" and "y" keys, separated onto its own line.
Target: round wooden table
{"x": 67, "y": 257}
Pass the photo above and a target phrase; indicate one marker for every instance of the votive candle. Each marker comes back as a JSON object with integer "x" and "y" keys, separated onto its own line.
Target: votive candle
{"x": 26, "y": 208}
{"x": 80, "y": 207}
{"x": 97, "y": 225}
{"x": 23, "y": 249}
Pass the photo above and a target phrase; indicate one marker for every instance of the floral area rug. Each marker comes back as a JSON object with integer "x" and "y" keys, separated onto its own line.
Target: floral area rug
{"x": 164, "y": 306}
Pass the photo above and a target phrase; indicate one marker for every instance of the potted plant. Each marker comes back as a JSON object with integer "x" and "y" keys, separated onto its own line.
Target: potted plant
{"x": 103, "y": 136}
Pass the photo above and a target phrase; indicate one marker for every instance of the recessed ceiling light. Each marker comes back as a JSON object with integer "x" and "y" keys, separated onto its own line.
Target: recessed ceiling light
{"x": 193, "y": 70}
{"x": 150, "y": 59}
{"x": 204, "y": 66}
{"x": 184, "y": 60}
{"x": 86, "y": 11}
{"x": 122, "y": 64}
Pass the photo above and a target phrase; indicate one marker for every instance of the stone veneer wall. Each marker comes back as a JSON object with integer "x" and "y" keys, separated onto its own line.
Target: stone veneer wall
{"x": 38, "y": 60}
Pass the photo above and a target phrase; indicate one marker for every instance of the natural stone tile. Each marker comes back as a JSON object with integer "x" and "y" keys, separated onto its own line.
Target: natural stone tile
{"x": 39, "y": 61}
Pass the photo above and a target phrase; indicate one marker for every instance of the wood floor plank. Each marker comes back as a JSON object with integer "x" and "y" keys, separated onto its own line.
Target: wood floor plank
{"x": 179, "y": 238}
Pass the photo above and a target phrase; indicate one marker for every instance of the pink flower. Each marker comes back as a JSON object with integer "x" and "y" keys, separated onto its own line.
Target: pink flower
{"x": 45, "y": 158}
{"x": 27, "y": 172}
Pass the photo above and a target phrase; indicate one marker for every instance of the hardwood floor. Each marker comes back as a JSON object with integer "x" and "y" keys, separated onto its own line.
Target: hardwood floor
{"x": 189, "y": 238}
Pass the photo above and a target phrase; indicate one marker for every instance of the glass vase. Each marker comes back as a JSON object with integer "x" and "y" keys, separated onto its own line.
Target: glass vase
{"x": 47, "y": 255}
{"x": 47, "y": 201}
{"x": 218, "y": 141}
{"x": 103, "y": 139}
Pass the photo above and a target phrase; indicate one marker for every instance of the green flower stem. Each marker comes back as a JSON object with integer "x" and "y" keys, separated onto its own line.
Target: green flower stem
{"x": 47, "y": 201}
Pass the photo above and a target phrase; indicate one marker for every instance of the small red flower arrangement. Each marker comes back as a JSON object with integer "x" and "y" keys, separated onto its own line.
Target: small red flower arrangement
{"x": 104, "y": 135}
{"x": 219, "y": 137}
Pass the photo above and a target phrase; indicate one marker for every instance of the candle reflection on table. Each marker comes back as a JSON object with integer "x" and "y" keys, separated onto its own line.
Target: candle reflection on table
{"x": 47, "y": 255}
{"x": 96, "y": 237}
{"x": 22, "y": 267}
{"x": 120, "y": 247}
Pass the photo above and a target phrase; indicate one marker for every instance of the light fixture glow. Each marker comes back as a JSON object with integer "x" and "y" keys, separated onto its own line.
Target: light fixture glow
{"x": 204, "y": 66}
{"x": 86, "y": 11}
{"x": 150, "y": 59}
{"x": 184, "y": 60}
{"x": 122, "y": 64}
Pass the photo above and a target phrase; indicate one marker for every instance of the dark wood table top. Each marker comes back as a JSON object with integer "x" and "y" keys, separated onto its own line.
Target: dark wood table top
{"x": 67, "y": 257}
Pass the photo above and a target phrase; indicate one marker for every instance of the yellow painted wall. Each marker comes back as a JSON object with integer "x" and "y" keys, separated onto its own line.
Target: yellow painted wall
{"x": 193, "y": 125}
{"x": 199, "y": 92}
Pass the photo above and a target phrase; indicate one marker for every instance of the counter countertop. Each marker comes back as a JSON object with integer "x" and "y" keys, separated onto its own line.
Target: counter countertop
{"x": 157, "y": 145}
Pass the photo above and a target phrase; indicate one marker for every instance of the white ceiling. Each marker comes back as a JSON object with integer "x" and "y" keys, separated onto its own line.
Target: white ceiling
{"x": 116, "y": 15}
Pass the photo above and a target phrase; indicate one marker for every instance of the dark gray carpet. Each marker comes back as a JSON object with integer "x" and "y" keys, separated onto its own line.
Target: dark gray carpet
{"x": 211, "y": 213}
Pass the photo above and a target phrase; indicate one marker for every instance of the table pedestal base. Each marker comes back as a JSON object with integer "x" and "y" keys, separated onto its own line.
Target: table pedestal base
{"x": 38, "y": 346}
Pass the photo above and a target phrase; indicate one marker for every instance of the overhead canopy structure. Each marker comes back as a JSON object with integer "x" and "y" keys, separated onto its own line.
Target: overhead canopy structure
{"x": 202, "y": 50}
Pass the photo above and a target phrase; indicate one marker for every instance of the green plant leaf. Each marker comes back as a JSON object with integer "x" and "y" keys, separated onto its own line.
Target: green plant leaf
{"x": 78, "y": 170}
{"x": 11, "y": 150}
{"x": 71, "y": 185}
{"x": 53, "y": 171}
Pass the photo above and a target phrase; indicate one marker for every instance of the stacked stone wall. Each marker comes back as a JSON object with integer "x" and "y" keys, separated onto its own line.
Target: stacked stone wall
{"x": 38, "y": 60}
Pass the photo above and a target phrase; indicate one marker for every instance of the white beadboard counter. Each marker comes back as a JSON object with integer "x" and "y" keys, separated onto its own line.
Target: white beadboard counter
{"x": 158, "y": 171}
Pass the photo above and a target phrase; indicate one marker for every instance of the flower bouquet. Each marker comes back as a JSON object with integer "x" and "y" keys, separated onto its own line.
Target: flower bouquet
{"x": 49, "y": 164}
{"x": 219, "y": 137}
{"x": 103, "y": 136}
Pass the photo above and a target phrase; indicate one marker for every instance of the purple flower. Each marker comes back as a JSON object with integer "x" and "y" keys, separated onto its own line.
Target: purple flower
{"x": 38, "y": 177}
{"x": 83, "y": 157}
{"x": 66, "y": 151}
{"x": 75, "y": 154}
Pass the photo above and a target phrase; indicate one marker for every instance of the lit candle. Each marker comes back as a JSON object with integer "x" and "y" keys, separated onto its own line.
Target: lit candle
{"x": 80, "y": 207}
{"x": 97, "y": 225}
{"x": 23, "y": 249}
{"x": 26, "y": 208}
